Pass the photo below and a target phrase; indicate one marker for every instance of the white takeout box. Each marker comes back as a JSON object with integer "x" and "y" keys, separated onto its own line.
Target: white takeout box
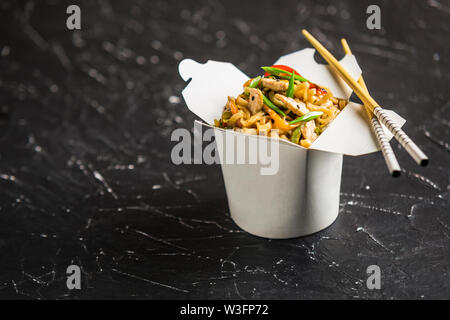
{"x": 303, "y": 197}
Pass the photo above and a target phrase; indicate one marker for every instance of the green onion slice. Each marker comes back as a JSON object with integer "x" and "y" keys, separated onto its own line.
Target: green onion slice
{"x": 272, "y": 106}
{"x": 307, "y": 117}
{"x": 290, "y": 90}
{"x": 255, "y": 82}
{"x": 282, "y": 73}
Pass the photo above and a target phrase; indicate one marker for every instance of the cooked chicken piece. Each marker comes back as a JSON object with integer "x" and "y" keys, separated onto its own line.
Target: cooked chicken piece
{"x": 299, "y": 108}
{"x": 275, "y": 84}
{"x": 255, "y": 102}
{"x": 308, "y": 131}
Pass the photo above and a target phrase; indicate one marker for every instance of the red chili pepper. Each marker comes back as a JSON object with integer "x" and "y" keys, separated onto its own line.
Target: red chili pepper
{"x": 319, "y": 90}
{"x": 283, "y": 67}
{"x": 289, "y": 69}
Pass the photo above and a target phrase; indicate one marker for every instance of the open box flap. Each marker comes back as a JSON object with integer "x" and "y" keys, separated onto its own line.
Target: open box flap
{"x": 211, "y": 83}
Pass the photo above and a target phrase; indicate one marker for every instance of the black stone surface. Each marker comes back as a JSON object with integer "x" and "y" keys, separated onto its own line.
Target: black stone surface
{"x": 86, "y": 176}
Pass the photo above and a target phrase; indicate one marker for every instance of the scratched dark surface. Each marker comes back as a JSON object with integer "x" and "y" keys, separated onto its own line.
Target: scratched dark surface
{"x": 86, "y": 176}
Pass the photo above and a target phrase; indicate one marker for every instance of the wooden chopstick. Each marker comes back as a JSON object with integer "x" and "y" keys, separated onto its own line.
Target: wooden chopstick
{"x": 388, "y": 153}
{"x": 413, "y": 150}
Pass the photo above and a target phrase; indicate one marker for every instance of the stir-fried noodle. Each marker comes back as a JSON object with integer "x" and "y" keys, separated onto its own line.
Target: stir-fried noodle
{"x": 283, "y": 100}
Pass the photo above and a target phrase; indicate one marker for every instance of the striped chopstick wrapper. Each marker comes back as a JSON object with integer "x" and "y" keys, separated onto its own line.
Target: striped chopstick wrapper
{"x": 386, "y": 149}
{"x": 401, "y": 136}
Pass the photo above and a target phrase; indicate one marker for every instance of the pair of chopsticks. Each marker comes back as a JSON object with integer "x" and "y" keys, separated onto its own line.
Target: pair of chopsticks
{"x": 375, "y": 113}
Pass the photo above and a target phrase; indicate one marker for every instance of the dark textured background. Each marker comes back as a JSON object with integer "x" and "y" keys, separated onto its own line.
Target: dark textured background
{"x": 85, "y": 171}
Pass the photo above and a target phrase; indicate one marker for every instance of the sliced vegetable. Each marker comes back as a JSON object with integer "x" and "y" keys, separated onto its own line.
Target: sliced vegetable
{"x": 283, "y": 73}
{"x": 318, "y": 131}
{"x": 307, "y": 117}
{"x": 282, "y": 67}
{"x": 233, "y": 108}
{"x": 318, "y": 89}
{"x": 290, "y": 90}
{"x": 279, "y": 123}
{"x": 272, "y": 106}
{"x": 226, "y": 116}
{"x": 296, "y": 135}
{"x": 255, "y": 82}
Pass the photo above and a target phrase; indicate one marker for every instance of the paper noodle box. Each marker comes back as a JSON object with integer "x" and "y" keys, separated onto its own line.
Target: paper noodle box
{"x": 302, "y": 197}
